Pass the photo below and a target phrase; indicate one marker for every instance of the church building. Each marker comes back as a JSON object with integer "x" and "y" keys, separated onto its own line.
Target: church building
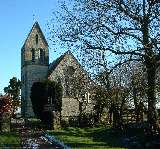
{"x": 35, "y": 67}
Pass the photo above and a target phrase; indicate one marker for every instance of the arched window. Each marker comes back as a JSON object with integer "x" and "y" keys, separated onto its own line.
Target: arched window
{"x": 42, "y": 55}
{"x": 69, "y": 80}
{"x": 36, "y": 38}
{"x": 70, "y": 70}
{"x": 33, "y": 55}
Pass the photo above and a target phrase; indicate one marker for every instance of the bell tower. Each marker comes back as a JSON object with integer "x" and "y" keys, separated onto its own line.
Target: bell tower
{"x": 34, "y": 66}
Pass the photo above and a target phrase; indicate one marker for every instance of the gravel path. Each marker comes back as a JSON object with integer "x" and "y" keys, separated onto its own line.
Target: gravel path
{"x": 32, "y": 138}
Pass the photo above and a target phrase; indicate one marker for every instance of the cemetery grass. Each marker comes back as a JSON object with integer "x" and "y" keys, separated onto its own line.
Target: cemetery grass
{"x": 9, "y": 138}
{"x": 89, "y": 138}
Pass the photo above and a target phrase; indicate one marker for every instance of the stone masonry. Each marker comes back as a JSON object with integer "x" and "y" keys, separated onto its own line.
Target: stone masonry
{"x": 34, "y": 65}
{"x": 68, "y": 70}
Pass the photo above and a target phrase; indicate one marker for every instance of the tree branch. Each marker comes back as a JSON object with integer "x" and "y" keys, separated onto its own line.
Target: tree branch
{"x": 117, "y": 52}
{"x": 122, "y": 32}
{"x": 123, "y": 8}
{"x": 124, "y": 62}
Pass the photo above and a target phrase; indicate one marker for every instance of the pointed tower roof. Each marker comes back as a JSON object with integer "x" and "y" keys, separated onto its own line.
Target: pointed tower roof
{"x": 36, "y": 25}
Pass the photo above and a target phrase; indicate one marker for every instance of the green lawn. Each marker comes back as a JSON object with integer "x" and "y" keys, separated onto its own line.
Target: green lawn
{"x": 10, "y": 139}
{"x": 88, "y": 138}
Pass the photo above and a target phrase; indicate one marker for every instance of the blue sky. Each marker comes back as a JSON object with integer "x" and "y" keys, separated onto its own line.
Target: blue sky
{"x": 17, "y": 18}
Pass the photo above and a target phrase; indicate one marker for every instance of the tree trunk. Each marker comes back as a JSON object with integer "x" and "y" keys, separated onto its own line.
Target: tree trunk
{"x": 152, "y": 115}
{"x": 150, "y": 63}
{"x": 135, "y": 102}
{"x": 121, "y": 112}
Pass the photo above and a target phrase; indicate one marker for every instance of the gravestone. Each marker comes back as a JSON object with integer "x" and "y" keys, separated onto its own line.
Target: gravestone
{"x": 56, "y": 120}
{"x": 6, "y": 122}
{"x": 49, "y": 108}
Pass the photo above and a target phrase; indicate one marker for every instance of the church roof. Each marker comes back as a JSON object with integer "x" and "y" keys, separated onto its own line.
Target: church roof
{"x": 55, "y": 63}
{"x": 36, "y": 25}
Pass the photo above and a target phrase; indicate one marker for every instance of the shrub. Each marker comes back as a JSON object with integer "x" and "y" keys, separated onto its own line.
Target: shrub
{"x": 87, "y": 120}
{"x": 44, "y": 93}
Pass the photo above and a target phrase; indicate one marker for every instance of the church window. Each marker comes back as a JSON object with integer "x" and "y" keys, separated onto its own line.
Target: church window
{"x": 33, "y": 55}
{"x": 42, "y": 56}
{"x": 69, "y": 81}
{"x": 88, "y": 97}
{"x": 36, "y": 39}
{"x": 67, "y": 85}
{"x": 70, "y": 70}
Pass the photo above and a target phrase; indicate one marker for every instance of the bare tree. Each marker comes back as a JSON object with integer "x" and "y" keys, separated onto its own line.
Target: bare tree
{"x": 122, "y": 30}
{"x": 120, "y": 93}
{"x": 138, "y": 87}
{"x": 82, "y": 88}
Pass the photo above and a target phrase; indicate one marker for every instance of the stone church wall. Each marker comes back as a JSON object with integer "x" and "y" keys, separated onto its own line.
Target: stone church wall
{"x": 70, "y": 103}
{"x": 31, "y": 74}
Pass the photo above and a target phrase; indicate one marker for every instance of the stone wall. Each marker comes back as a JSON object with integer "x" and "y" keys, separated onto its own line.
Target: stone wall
{"x": 32, "y": 74}
{"x": 5, "y": 122}
{"x": 70, "y": 107}
{"x": 70, "y": 103}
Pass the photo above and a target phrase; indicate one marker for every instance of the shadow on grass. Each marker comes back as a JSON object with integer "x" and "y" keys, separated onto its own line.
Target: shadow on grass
{"x": 85, "y": 145}
{"x": 89, "y": 137}
{"x": 112, "y": 138}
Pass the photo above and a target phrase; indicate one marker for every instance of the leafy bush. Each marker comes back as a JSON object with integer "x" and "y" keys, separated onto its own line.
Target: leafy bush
{"x": 73, "y": 122}
{"x": 64, "y": 123}
{"x": 43, "y": 93}
{"x": 87, "y": 120}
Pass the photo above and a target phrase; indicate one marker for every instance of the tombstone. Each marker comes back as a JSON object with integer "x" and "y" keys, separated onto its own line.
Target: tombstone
{"x": 6, "y": 122}
{"x": 56, "y": 120}
{"x": 49, "y": 110}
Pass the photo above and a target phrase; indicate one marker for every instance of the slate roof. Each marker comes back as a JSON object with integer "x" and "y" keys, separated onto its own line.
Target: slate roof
{"x": 55, "y": 63}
